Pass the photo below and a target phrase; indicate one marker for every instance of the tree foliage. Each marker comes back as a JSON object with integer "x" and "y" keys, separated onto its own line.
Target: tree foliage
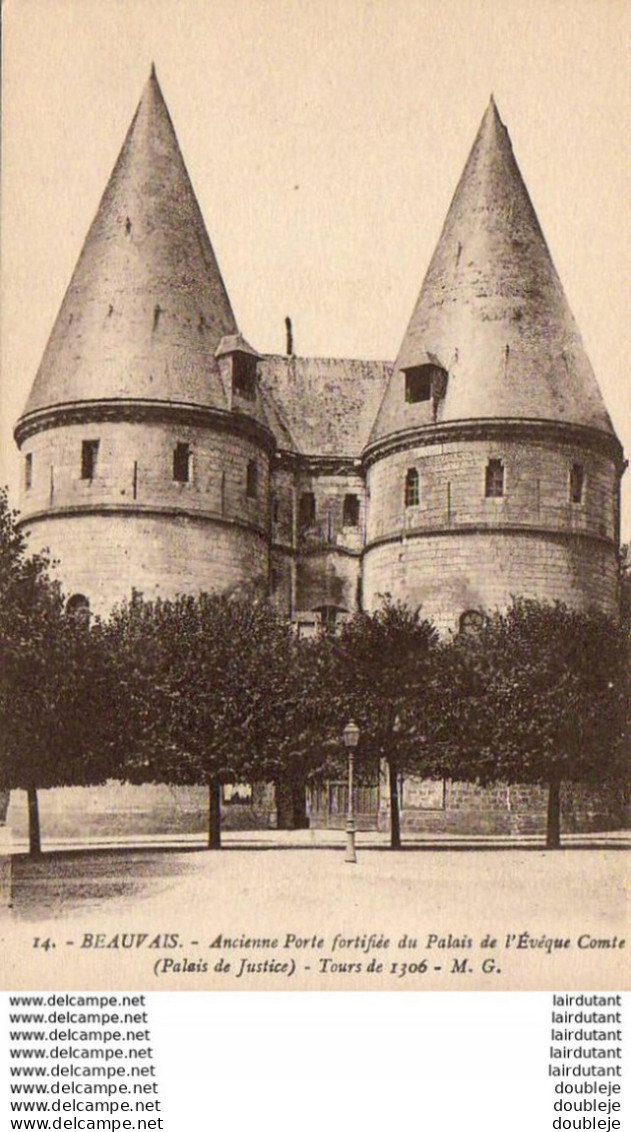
{"x": 52, "y": 679}
{"x": 381, "y": 670}
{"x": 218, "y": 689}
{"x": 208, "y": 684}
{"x": 539, "y": 695}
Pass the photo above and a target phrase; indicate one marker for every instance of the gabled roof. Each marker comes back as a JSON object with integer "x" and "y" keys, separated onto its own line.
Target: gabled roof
{"x": 235, "y": 344}
{"x": 326, "y": 405}
{"x": 492, "y": 311}
{"x": 146, "y": 306}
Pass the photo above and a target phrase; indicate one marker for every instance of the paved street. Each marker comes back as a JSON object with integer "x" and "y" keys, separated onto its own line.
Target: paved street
{"x": 255, "y": 889}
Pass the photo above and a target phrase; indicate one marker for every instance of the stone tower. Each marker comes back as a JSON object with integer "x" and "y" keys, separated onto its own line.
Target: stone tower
{"x": 492, "y": 468}
{"x": 162, "y": 453}
{"x": 145, "y": 441}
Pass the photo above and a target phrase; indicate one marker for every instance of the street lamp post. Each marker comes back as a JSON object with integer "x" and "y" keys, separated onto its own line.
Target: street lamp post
{"x": 350, "y": 736}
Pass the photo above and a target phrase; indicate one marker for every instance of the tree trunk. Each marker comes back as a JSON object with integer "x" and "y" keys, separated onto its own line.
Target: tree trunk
{"x": 395, "y": 819}
{"x": 284, "y": 804}
{"x": 214, "y": 813}
{"x": 553, "y": 828}
{"x": 291, "y": 804}
{"x": 34, "y": 834}
{"x": 299, "y": 805}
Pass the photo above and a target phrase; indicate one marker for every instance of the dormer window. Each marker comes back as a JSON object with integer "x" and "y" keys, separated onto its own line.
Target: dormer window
{"x": 89, "y": 457}
{"x": 252, "y": 480}
{"x": 577, "y": 483}
{"x": 182, "y": 463}
{"x": 418, "y": 384}
{"x": 244, "y": 376}
{"x": 424, "y": 383}
{"x": 412, "y": 488}
{"x": 494, "y": 479}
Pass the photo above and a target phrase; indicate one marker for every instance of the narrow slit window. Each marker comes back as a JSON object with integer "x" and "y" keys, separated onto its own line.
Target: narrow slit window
{"x": 412, "y": 488}
{"x": 28, "y": 471}
{"x": 350, "y": 513}
{"x": 307, "y": 509}
{"x": 275, "y": 509}
{"x": 494, "y": 479}
{"x": 577, "y": 483}
{"x": 252, "y": 480}
{"x": 89, "y": 458}
{"x": 182, "y": 463}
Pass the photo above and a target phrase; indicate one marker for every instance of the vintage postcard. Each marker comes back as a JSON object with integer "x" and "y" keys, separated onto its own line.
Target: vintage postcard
{"x": 315, "y": 406}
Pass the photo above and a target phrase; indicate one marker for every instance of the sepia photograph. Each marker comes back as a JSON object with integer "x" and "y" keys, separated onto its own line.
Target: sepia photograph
{"x": 314, "y": 521}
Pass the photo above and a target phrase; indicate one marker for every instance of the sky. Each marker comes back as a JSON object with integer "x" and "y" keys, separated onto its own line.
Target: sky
{"x": 324, "y": 140}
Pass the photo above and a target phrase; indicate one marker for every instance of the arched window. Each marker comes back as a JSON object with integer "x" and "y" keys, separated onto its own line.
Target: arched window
{"x": 471, "y": 621}
{"x": 252, "y": 480}
{"x": 412, "y": 488}
{"x": 78, "y": 608}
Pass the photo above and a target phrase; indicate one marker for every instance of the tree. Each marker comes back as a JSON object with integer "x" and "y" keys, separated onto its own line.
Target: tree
{"x": 50, "y": 682}
{"x": 301, "y": 733}
{"x": 202, "y": 679}
{"x": 379, "y": 670}
{"x": 539, "y": 695}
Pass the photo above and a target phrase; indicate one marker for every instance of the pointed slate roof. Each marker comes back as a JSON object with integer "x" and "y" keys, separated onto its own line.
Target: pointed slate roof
{"x": 492, "y": 311}
{"x": 326, "y": 405}
{"x": 146, "y": 306}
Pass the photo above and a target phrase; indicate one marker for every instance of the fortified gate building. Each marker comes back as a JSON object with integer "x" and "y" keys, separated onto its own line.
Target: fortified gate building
{"x": 161, "y": 452}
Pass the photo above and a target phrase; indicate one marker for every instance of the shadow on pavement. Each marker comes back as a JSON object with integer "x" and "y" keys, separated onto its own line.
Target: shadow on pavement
{"x": 59, "y": 883}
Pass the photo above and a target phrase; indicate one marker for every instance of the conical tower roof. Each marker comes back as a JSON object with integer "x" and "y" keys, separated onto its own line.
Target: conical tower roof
{"x": 146, "y": 306}
{"x": 492, "y": 311}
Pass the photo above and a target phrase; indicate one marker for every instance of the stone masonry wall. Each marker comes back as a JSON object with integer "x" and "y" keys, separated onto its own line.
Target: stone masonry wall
{"x": 447, "y": 574}
{"x": 135, "y": 468}
{"x": 324, "y": 555}
{"x": 459, "y": 550}
{"x": 108, "y": 537}
{"x": 328, "y": 528}
{"x": 452, "y": 483}
{"x": 464, "y": 808}
{"x": 105, "y": 556}
{"x": 119, "y": 810}
{"x": 328, "y": 579}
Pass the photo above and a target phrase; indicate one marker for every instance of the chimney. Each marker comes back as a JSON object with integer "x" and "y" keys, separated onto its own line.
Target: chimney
{"x": 290, "y": 337}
